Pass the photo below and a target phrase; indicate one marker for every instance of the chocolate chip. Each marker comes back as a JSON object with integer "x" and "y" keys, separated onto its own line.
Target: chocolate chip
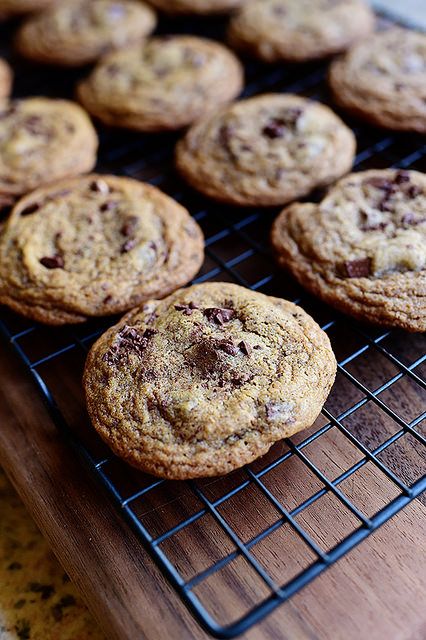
{"x": 99, "y": 186}
{"x": 401, "y": 177}
{"x": 129, "y": 227}
{"x": 227, "y": 346}
{"x": 411, "y": 220}
{"x": 128, "y": 246}
{"x": 413, "y": 191}
{"x": 187, "y": 309}
{"x": 379, "y": 183}
{"x": 14, "y": 566}
{"x": 107, "y": 299}
{"x": 219, "y": 316}
{"x": 129, "y": 340}
{"x": 359, "y": 268}
{"x": 257, "y": 346}
{"x": 275, "y": 128}
{"x": 245, "y": 347}
{"x": 31, "y": 208}
{"x": 108, "y": 206}
{"x": 52, "y": 262}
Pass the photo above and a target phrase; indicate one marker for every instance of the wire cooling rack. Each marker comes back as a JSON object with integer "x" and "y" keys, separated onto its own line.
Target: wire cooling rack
{"x": 236, "y": 547}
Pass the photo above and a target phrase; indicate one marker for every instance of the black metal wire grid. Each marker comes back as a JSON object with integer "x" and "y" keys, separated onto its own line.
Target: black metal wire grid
{"x": 363, "y": 418}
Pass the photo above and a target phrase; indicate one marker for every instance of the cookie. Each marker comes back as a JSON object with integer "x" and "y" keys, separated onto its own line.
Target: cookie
{"x": 5, "y": 80}
{"x": 166, "y": 83}
{"x": 200, "y": 7}
{"x": 299, "y": 30}
{"x": 206, "y": 380}
{"x": 78, "y": 32}
{"x": 363, "y": 248}
{"x": 42, "y": 140}
{"x": 10, "y": 8}
{"x": 93, "y": 246}
{"x": 383, "y": 80}
{"x": 266, "y": 150}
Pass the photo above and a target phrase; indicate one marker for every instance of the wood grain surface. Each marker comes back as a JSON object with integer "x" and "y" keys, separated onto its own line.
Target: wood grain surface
{"x": 376, "y": 592}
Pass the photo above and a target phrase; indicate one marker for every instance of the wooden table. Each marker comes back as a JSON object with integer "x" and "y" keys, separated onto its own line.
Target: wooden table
{"x": 377, "y": 592}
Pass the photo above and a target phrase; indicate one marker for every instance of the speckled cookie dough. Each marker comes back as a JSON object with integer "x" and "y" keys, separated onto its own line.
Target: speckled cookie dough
{"x": 201, "y": 7}
{"x": 37, "y": 600}
{"x": 266, "y": 150}
{"x": 78, "y": 32}
{"x": 5, "y": 80}
{"x": 299, "y": 30}
{"x": 383, "y": 80}
{"x": 167, "y": 83}
{"x": 363, "y": 248}
{"x": 207, "y": 379}
{"x": 93, "y": 246}
{"x": 42, "y": 140}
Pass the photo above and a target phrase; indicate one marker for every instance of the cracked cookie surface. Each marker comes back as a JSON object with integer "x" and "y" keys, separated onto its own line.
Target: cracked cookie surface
{"x": 79, "y": 32}
{"x": 165, "y": 83}
{"x": 299, "y": 30}
{"x": 383, "y": 80}
{"x": 42, "y": 140}
{"x": 363, "y": 248}
{"x": 94, "y": 246}
{"x": 266, "y": 150}
{"x": 207, "y": 379}
{"x": 201, "y": 7}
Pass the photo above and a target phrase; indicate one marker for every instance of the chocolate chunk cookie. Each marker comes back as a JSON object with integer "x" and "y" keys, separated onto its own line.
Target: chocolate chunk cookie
{"x": 78, "y": 32}
{"x": 383, "y": 80}
{"x": 206, "y": 380}
{"x": 299, "y": 30}
{"x": 266, "y": 150}
{"x": 363, "y": 248}
{"x": 5, "y": 80}
{"x": 201, "y": 7}
{"x": 166, "y": 83}
{"x": 93, "y": 246}
{"x": 42, "y": 140}
{"x": 9, "y": 8}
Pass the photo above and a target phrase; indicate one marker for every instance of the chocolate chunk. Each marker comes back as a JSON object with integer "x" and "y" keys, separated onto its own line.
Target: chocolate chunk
{"x": 275, "y": 128}
{"x": 227, "y": 346}
{"x": 108, "y": 206}
{"x": 129, "y": 340}
{"x": 52, "y": 262}
{"x": 99, "y": 186}
{"x": 379, "y": 183}
{"x": 411, "y": 220}
{"x": 128, "y": 246}
{"x": 107, "y": 299}
{"x": 34, "y": 124}
{"x": 219, "y": 316}
{"x": 245, "y": 347}
{"x": 413, "y": 191}
{"x": 187, "y": 309}
{"x": 129, "y": 227}
{"x": 358, "y": 268}
{"x": 401, "y": 177}
{"x": 32, "y": 208}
